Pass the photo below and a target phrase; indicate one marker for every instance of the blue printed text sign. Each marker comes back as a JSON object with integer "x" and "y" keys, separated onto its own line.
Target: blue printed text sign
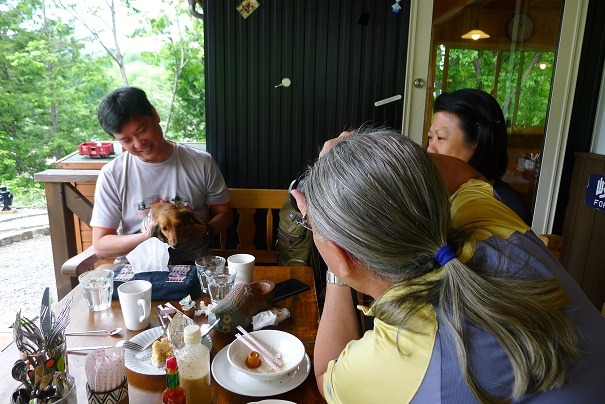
{"x": 595, "y": 192}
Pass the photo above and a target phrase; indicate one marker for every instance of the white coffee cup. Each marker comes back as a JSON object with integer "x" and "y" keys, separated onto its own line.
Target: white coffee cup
{"x": 135, "y": 301}
{"x": 244, "y": 263}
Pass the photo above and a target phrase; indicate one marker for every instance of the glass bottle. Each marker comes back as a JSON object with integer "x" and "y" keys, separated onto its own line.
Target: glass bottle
{"x": 194, "y": 363}
{"x": 174, "y": 393}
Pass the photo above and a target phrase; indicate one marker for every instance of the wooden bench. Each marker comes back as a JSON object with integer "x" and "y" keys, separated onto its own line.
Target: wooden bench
{"x": 250, "y": 206}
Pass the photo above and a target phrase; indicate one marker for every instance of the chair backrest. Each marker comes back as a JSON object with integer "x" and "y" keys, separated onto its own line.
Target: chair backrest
{"x": 252, "y": 207}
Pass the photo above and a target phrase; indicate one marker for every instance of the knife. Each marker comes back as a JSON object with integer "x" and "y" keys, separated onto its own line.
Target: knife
{"x": 88, "y": 348}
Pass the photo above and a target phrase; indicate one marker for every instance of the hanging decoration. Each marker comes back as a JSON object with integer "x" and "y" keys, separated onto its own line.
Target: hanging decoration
{"x": 396, "y": 7}
{"x": 247, "y": 7}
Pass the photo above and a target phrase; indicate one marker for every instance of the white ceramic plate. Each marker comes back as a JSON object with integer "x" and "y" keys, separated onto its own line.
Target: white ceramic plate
{"x": 140, "y": 362}
{"x": 239, "y": 383}
{"x": 143, "y": 364}
{"x": 270, "y": 401}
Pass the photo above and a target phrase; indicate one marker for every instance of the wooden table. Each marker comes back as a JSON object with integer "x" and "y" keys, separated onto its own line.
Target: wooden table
{"x": 303, "y": 323}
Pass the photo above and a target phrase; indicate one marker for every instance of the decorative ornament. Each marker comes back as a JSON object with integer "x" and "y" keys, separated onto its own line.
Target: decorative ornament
{"x": 396, "y": 7}
{"x": 247, "y": 7}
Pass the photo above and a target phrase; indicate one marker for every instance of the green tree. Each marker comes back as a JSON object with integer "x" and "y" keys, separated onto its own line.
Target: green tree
{"x": 182, "y": 55}
{"x": 49, "y": 91}
{"x": 515, "y": 78}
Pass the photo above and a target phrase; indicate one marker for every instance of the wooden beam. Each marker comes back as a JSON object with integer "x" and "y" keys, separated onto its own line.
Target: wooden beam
{"x": 78, "y": 203}
{"x": 62, "y": 236}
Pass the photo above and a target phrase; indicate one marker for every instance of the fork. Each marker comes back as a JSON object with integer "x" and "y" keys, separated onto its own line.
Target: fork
{"x": 120, "y": 344}
{"x": 133, "y": 346}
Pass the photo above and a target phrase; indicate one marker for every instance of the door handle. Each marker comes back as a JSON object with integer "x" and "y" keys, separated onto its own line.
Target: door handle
{"x": 419, "y": 83}
{"x": 387, "y": 100}
{"x": 285, "y": 82}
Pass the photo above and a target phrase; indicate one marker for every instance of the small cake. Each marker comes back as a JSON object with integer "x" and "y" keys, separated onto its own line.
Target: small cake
{"x": 160, "y": 351}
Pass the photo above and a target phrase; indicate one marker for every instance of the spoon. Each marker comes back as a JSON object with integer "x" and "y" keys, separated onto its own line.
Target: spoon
{"x": 19, "y": 372}
{"x": 96, "y": 332}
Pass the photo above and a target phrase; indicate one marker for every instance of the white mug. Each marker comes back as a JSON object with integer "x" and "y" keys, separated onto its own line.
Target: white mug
{"x": 244, "y": 263}
{"x": 135, "y": 301}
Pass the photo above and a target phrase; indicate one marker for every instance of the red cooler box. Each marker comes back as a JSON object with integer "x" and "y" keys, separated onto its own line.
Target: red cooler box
{"x": 96, "y": 149}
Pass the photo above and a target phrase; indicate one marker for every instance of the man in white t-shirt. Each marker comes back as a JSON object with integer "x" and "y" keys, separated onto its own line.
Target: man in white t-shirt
{"x": 152, "y": 169}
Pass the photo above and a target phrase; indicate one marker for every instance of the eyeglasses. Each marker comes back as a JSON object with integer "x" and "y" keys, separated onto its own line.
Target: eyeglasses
{"x": 304, "y": 222}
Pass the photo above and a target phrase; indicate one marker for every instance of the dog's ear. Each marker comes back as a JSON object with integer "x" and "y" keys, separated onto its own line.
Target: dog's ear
{"x": 188, "y": 217}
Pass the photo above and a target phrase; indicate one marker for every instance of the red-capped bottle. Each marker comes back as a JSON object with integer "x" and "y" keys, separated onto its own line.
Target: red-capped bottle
{"x": 174, "y": 393}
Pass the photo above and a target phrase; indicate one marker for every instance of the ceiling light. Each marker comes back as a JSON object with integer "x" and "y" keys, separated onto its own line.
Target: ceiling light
{"x": 475, "y": 33}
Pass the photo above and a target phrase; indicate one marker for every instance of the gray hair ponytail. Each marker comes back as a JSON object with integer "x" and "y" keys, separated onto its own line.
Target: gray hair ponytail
{"x": 379, "y": 197}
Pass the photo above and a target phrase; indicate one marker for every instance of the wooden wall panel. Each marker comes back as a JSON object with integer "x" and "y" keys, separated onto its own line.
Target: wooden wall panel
{"x": 341, "y": 57}
{"x": 583, "y": 254}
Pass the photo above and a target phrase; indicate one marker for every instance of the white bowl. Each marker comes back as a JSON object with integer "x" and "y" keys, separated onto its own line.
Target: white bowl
{"x": 290, "y": 348}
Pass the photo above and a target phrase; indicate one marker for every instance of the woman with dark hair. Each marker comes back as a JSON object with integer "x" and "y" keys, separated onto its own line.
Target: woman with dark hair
{"x": 469, "y": 124}
{"x": 469, "y": 304}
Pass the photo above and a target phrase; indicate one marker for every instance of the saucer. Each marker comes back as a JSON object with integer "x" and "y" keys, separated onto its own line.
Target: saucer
{"x": 240, "y": 383}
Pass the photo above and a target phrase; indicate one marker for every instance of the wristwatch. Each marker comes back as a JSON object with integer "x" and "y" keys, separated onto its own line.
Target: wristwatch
{"x": 333, "y": 279}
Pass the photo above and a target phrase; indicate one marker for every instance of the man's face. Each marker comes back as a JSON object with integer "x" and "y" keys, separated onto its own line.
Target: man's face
{"x": 446, "y": 137}
{"x": 143, "y": 137}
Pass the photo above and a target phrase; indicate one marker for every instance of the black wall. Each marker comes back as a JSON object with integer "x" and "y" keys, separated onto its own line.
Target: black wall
{"x": 341, "y": 56}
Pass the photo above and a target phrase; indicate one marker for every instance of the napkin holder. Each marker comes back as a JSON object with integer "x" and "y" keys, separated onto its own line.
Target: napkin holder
{"x": 240, "y": 305}
{"x": 119, "y": 395}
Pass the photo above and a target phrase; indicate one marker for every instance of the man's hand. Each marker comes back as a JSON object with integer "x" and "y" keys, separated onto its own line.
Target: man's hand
{"x": 148, "y": 226}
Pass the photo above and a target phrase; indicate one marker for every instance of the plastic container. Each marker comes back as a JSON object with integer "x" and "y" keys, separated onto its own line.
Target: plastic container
{"x": 194, "y": 365}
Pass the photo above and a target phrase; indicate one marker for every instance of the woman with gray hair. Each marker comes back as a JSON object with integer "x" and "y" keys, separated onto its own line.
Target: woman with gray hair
{"x": 469, "y": 305}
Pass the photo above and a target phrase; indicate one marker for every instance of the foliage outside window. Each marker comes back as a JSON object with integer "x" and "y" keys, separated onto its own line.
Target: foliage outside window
{"x": 519, "y": 79}
{"x": 52, "y": 76}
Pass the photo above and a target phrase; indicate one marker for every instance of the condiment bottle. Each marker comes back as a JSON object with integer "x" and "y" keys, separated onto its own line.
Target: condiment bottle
{"x": 194, "y": 363}
{"x": 174, "y": 393}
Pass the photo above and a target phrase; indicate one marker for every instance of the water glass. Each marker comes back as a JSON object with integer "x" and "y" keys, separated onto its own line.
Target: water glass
{"x": 97, "y": 286}
{"x": 220, "y": 283}
{"x": 208, "y": 265}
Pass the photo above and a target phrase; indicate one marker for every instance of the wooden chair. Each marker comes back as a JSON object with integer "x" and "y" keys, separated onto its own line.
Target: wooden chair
{"x": 249, "y": 206}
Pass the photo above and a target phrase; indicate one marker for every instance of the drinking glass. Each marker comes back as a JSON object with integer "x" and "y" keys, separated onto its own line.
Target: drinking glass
{"x": 97, "y": 286}
{"x": 220, "y": 283}
{"x": 208, "y": 265}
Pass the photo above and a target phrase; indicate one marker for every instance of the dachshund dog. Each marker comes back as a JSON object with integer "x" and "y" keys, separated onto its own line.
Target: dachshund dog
{"x": 175, "y": 224}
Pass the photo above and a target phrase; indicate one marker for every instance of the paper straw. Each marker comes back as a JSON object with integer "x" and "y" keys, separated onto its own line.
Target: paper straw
{"x": 253, "y": 348}
{"x": 262, "y": 349}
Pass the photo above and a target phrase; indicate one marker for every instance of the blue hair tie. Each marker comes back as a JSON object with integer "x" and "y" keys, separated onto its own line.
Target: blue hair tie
{"x": 444, "y": 255}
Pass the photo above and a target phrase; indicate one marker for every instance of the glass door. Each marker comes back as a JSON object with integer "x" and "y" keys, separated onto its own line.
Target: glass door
{"x": 517, "y": 63}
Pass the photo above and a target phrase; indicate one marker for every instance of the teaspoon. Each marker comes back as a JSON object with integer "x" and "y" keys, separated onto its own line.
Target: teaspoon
{"x": 96, "y": 332}
{"x": 19, "y": 372}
